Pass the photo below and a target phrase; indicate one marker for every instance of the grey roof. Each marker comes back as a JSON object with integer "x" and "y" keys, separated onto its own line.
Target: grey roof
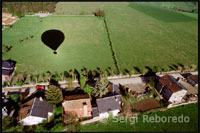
{"x": 107, "y": 104}
{"x": 7, "y": 72}
{"x": 41, "y": 108}
{"x": 8, "y": 63}
{"x": 95, "y": 112}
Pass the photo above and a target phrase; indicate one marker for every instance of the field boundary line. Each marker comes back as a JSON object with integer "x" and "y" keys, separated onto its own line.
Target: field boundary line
{"x": 112, "y": 49}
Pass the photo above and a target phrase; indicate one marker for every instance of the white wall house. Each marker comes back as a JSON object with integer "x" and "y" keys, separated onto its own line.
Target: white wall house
{"x": 106, "y": 114}
{"x": 170, "y": 89}
{"x": 35, "y": 111}
{"x": 108, "y": 105}
{"x": 177, "y": 96}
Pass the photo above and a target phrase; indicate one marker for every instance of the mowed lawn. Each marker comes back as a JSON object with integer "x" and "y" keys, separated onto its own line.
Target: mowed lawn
{"x": 85, "y": 44}
{"x": 142, "y": 125}
{"x": 145, "y": 35}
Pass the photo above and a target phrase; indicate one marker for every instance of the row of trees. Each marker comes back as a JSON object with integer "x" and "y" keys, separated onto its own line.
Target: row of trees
{"x": 21, "y": 78}
{"x": 21, "y": 8}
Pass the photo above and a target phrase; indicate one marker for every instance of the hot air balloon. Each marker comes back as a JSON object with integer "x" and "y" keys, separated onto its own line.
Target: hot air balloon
{"x": 53, "y": 38}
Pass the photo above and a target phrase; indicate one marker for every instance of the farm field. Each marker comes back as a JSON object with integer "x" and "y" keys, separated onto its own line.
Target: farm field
{"x": 85, "y": 45}
{"x": 82, "y": 8}
{"x": 190, "y": 110}
{"x": 143, "y": 36}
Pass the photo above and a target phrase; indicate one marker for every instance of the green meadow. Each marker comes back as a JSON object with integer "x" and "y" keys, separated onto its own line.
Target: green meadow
{"x": 85, "y": 44}
{"x": 145, "y": 35}
{"x": 142, "y": 35}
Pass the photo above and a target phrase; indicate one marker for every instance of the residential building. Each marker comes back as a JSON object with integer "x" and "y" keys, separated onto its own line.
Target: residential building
{"x": 35, "y": 111}
{"x": 193, "y": 80}
{"x": 107, "y": 105}
{"x": 79, "y": 104}
{"x": 170, "y": 89}
{"x": 8, "y": 68}
{"x": 7, "y": 19}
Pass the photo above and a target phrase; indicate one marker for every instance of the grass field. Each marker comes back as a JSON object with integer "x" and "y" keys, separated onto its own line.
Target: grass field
{"x": 190, "y": 110}
{"x": 82, "y": 8}
{"x": 85, "y": 45}
{"x": 151, "y": 36}
{"x": 141, "y": 35}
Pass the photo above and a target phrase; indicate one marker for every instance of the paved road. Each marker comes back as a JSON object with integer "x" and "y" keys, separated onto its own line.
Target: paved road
{"x": 122, "y": 81}
{"x": 139, "y": 80}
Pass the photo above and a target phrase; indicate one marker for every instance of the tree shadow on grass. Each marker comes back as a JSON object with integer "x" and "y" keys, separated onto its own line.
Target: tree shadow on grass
{"x": 137, "y": 69}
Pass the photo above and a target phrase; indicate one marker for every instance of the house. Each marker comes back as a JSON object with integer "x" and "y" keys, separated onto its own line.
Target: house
{"x": 171, "y": 90}
{"x": 107, "y": 105}
{"x": 193, "y": 80}
{"x": 7, "y": 19}
{"x": 8, "y": 68}
{"x": 79, "y": 104}
{"x": 5, "y": 16}
{"x": 110, "y": 103}
{"x": 35, "y": 111}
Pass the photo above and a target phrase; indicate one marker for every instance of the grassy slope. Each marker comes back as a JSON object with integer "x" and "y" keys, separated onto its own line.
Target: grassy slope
{"x": 85, "y": 44}
{"x": 149, "y": 36}
{"x": 140, "y": 126}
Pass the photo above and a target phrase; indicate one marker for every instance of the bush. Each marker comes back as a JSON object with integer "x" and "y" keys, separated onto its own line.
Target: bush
{"x": 19, "y": 83}
{"x": 99, "y": 13}
{"x": 58, "y": 110}
{"x": 19, "y": 14}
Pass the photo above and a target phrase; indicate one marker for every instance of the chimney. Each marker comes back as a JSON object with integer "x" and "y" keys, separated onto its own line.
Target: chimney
{"x": 40, "y": 99}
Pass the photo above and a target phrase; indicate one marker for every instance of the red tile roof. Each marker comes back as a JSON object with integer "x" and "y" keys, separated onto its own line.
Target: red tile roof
{"x": 170, "y": 83}
{"x": 10, "y": 21}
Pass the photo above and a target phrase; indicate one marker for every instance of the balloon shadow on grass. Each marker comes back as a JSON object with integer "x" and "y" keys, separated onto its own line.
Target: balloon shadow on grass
{"x": 53, "y": 39}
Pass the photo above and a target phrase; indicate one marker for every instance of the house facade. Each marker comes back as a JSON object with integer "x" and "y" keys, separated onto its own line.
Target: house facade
{"x": 170, "y": 89}
{"x": 35, "y": 111}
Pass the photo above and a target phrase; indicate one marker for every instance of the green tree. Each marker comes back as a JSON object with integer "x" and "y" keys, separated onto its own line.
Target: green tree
{"x": 100, "y": 88}
{"x": 88, "y": 89}
{"x": 53, "y": 95}
{"x": 82, "y": 81}
{"x": 180, "y": 68}
{"x": 193, "y": 67}
{"x": 185, "y": 68}
{"x": 7, "y": 122}
{"x": 70, "y": 83}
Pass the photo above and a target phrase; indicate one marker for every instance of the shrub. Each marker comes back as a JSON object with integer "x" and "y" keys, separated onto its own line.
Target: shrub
{"x": 19, "y": 83}
{"x": 99, "y": 13}
{"x": 193, "y": 67}
{"x": 87, "y": 89}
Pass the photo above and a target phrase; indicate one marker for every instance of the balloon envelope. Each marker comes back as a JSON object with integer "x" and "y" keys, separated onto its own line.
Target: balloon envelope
{"x": 53, "y": 38}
